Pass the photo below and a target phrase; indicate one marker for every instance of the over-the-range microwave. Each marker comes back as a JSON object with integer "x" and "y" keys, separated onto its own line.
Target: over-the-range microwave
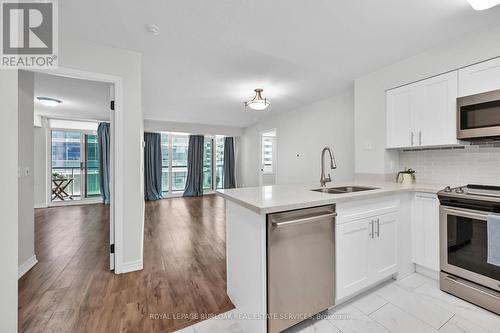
{"x": 478, "y": 116}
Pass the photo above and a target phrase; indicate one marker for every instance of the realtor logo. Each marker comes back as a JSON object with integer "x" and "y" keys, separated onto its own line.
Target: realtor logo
{"x": 29, "y": 34}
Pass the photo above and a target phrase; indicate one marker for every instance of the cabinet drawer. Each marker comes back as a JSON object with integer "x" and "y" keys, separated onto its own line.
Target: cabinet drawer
{"x": 360, "y": 209}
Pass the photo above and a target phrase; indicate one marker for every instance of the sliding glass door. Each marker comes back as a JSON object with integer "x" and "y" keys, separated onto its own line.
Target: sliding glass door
{"x": 74, "y": 173}
{"x": 174, "y": 150}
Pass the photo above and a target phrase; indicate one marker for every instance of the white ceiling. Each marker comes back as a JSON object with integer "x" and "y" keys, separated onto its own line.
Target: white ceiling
{"x": 210, "y": 55}
{"x": 81, "y": 99}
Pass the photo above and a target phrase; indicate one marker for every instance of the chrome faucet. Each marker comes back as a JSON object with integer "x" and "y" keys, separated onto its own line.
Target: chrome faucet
{"x": 333, "y": 165}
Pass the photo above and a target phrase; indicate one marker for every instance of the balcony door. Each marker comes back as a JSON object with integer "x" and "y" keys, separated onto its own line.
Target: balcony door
{"x": 74, "y": 172}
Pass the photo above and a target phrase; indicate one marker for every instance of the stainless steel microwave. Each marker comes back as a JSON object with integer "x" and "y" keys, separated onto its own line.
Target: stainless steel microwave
{"x": 478, "y": 116}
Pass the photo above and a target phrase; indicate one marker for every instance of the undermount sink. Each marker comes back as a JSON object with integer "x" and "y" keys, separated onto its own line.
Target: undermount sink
{"x": 344, "y": 189}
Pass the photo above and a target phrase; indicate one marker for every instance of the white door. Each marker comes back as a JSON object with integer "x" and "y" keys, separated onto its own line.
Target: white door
{"x": 399, "y": 117}
{"x": 353, "y": 256}
{"x": 425, "y": 230}
{"x": 111, "y": 180}
{"x": 435, "y": 111}
{"x": 268, "y": 158}
{"x": 383, "y": 249}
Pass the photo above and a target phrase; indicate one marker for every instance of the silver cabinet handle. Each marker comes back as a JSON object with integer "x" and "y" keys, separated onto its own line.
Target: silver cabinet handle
{"x": 304, "y": 220}
{"x": 378, "y": 227}
{"x": 371, "y": 229}
{"x": 411, "y": 138}
{"x": 419, "y": 138}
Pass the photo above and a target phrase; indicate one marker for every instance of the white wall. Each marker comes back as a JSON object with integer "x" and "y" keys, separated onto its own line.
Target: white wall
{"x": 470, "y": 165}
{"x": 8, "y": 200}
{"x": 168, "y": 126}
{"x": 40, "y": 164}
{"x": 129, "y": 188}
{"x": 26, "y": 245}
{"x": 369, "y": 96}
{"x": 303, "y": 132}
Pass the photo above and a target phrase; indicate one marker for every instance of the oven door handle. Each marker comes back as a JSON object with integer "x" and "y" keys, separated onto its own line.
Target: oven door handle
{"x": 466, "y": 213}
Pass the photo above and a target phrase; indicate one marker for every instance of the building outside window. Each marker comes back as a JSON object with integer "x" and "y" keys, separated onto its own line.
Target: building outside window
{"x": 174, "y": 148}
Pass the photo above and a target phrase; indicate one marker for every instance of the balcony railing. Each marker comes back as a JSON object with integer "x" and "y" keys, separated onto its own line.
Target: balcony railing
{"x": 74, "y": 189}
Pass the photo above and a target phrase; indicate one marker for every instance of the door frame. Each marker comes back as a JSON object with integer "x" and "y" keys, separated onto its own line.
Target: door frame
{"x": 117, "y": 149}
{"x": 275, "y": 154}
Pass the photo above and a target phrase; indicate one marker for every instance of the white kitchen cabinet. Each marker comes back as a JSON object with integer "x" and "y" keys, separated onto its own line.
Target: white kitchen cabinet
{"x": 366, "y": 239}
{"x": 352, "y": 256}
{"x": 479, "y": 78}
{"x": 384, "y": 246}
{"x": 425, "y": 230}
{"x": 423, "y": 113}
{"x": 399, "y": 117}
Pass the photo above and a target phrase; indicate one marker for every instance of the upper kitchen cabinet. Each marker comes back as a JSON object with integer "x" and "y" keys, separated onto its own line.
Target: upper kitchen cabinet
{"x": 479, "y": 78}
{"x": 423, "y": 113}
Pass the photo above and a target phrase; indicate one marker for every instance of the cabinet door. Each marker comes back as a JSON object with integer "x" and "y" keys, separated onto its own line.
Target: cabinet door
{"x": 425, "y": 231}
{"x": 435, "y": 110}
{"x": 383, "y": 247}
{"x": 398, "y": 117}
{"x": 479, "y": 78}
{"x": 352, "y": 271}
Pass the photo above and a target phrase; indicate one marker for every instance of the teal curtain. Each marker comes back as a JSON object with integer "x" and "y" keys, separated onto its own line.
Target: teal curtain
{"x": 194, "y": 181}
{"x": 104, "y": 158}
{"x": 229, "y": 163}
{"x": 152, "y": 166}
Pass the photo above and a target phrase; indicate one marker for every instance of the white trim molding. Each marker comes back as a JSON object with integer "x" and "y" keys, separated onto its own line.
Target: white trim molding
{"x": 40, "y": 205}
{"x": 26, "y": 266}
{"x": 130, "y": 266}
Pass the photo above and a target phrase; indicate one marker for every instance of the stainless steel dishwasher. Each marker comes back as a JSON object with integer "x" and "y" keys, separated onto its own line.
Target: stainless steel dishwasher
{"x": 300, "y": 265}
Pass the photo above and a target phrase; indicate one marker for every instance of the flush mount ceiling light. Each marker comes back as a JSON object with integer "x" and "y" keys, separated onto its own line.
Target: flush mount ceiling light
{"x": 258, "y": 103}
{"x": 49, "y": 101}
{"x": 152, "y": 28}
{"x": 483, "y": 4}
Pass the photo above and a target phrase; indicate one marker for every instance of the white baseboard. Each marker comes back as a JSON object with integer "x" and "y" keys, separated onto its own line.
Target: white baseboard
{"x": 40, "y": 205}
{"x": 430, "y": 273}
{"x": 130, "y": 266}
{"x": 26, "y": 266}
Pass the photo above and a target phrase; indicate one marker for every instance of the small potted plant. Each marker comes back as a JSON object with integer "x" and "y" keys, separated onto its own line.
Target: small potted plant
{"x": 407, "y": 176}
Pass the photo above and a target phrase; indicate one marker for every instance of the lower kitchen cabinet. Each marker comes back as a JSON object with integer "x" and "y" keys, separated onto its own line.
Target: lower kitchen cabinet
{"x": 425, "y": 230}
{"x": 366, "y": 252}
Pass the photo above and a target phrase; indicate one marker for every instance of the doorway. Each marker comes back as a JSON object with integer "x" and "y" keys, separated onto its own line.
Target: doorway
{"x": 268, "y": 153}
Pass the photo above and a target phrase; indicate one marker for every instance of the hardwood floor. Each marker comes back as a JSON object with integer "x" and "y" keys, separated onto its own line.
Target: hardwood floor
{"x": 72, "y": 290}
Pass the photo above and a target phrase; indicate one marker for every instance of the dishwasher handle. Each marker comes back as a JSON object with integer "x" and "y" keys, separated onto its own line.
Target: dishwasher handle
{"x": 303, "y": 220}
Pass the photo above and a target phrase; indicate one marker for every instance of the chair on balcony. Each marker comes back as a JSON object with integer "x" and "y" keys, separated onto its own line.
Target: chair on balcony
{"x": 59, "y": 188}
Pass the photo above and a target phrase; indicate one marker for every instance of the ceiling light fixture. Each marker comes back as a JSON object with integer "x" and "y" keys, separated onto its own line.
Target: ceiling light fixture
{"x": 153, "y": 28}
{"x": 258, "y": 103}
{"x": 483, "y": 4}
{"x": 49, "y": 101}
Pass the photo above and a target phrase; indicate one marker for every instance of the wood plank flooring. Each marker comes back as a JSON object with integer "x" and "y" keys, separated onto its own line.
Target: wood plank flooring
{"x": 72, "y": 290}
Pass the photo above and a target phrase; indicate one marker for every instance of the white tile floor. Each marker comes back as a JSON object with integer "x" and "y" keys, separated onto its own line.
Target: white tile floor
{"x": 413, "y": 304}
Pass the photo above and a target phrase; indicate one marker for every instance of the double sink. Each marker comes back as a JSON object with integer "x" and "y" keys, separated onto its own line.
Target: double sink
{"x": 344, "y": 189}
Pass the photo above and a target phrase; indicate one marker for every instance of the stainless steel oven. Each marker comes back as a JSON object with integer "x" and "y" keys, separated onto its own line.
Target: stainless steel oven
{"x": 478, "y": 116}
{"x": 465, "y": 271}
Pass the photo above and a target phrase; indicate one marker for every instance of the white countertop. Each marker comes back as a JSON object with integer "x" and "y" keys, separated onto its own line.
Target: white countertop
{"x": 277, "y": 198}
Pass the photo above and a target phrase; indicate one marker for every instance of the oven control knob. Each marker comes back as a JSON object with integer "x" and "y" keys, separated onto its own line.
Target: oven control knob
{"x": 459, "y": 190}
{"x": 447, "y": 189}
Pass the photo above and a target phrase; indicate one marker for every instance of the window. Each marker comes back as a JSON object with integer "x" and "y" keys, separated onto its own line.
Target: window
{"x": 174, "y": 150}
{"x": 74, "y": 165}
{"x": 219, "y": 161}
{"x": 165, "y": 163}
{"x": 207, "y": 163}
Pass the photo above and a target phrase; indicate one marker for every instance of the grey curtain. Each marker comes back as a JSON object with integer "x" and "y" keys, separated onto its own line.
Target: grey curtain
{"x": 104, "y": 158}
{"x": 229, "y": 173}
{"x": 194, "y": 181}
{"x": 152, "y": 166}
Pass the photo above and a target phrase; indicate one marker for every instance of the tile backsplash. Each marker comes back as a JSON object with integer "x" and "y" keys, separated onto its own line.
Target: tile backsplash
{"x": 467, "y": 165}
